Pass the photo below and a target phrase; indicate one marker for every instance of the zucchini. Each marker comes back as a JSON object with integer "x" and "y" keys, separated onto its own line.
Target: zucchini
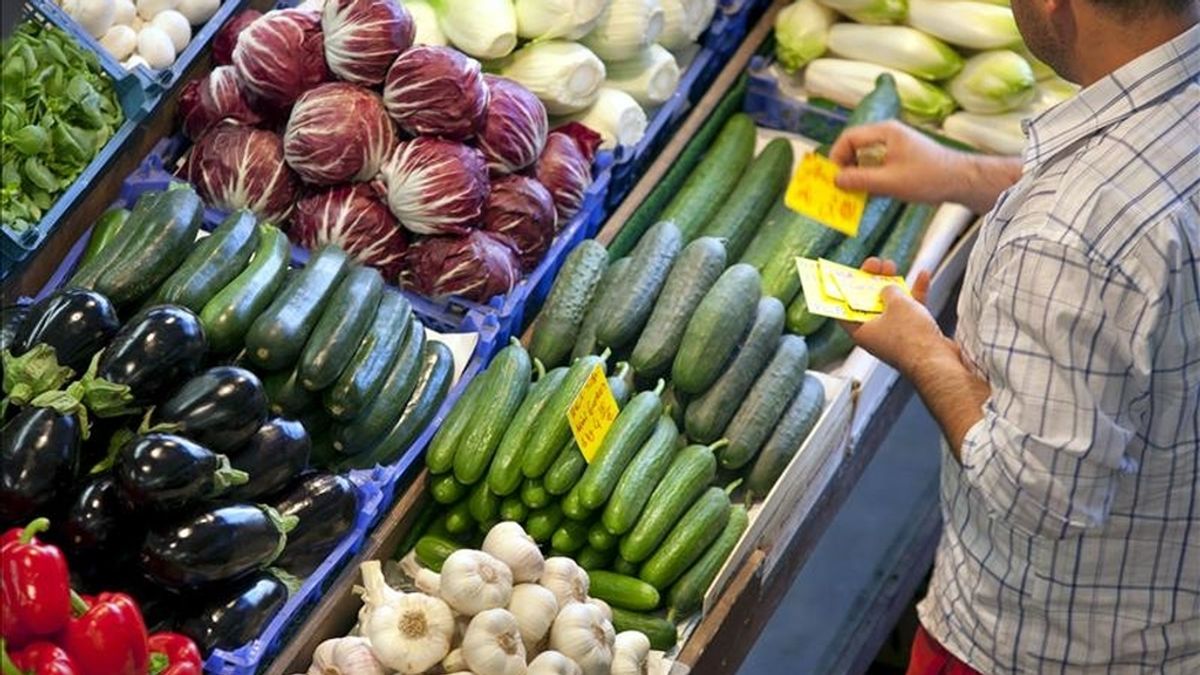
{"x": 534, "y": 494}
{"x": 902, "y": 244}
{"x": 623, "y": 566}
{"x": 504, "y": 474}
{"x": 445, "y": 489}
{"x": 161, "y": 241}
{"x": 625, "y": 437}
{"x": 592, "y": 559}
{"x": 361, "y": 433}
{"x": 764, "y": 405}
{"x": 104, "y": 232}
{"x": 696, "y": 269}
{"x": 689, "y": 538}
{"x": 600, "y": 538}
{"x": 362, "y": 378}
{"x": 557, "y": 326}
{"x": 228, "y": 315}
{"x": 343, "y": 324}
{"x": 784, "y": 236}
{"x": 551, "y": 430}
{"x": 494, "y": 410}
{"x": 610, "y": 287}
{"x": 627, "y": 311}
{"x": 738, "y": 218}
{"x": 709, "y": 413}
{"x": 215, "y": 261}
{"x": 662, "y": 633}
{"x": 439, "y": 458}
{"x": 512, "y": 508}
{"x": 458, "y": 519}
{"x": 640, "y": 477}
{"x": 433, "y": 550}
{"x": 112, "y": 251}
{"x": 789, "y": 434}
{"x": 829, "y": 344}
{"x": 286, "y": 395}
{"x": 278, "y": 335}
{"x": 564, "y": 473}
{"x": 719, "y": 323}
{"x": 541, "y": 523}
{"x": 570, "y": 536}
{"x": 689, "y": 474}
{"x": 483, "y": 503}
{"x": 687, "y": 595}
{"x": 714, "y": 179}
{"x": 623, "y": 591}
{"x": 573, "y": 509}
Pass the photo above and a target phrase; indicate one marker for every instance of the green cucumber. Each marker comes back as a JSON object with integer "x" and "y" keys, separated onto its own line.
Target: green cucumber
{"x": 459, "y": 520}
{"x": 627, "y": 311}
{"x": 512, "y": 508}
{"x": 789, "y": 434}
{"x": 433, "y": 550}
{"x": 600, "y": 538}
{"x": 278, "y": 335}
{"x": 712, "y": 182}
{"x": 534, "y": 494}
{"x": 904, "y": 241}
{"x": 591, "y": 559}
{"x": 215, "y": 261}
{"x": 445, "y": 489}
{"x": 104, "y": 232}
{"x": 623, "y": 566}
{"x": 483, "y": 503}
{"x": 610, "y": 288}
{"x": 687, "y": 595}
{"x": 762, "y": 408}
{"x": 662, "y": 633}
{"x": 644, "y": 472}
{"x": 573, "y": 509}
{"x": 690, "y": 472}
{"x": 719, "y": 323}
{"x": 564, "y": 473}
{"x": 362, "y": 432}
{"x": 550, "y": 428}
{"x": 883, "y": 103}
{"x": 696, "y": 269}
{"x": 675, "y": 402}
{"x": 343, "y": 324}
{"x": 164, "y": 238}
{"x": 112, "y": 251}
{"x": 285, "y": 394}
{"x": 504, "y": 474}
{"x": 362, "y": 378}
{"x": 784, "y": 236}
{"x": 689, "y": 538}
{"x": 628, "y": 432}
{"x": 738, "y": 218}
{"x": 541, "y": 523}
{"x": 570, "y": 536}
{"x": 557, "y": 326}
{"x": 620, "y": 383}
{"x": 623, "y": 591}
{"x": 709, "y": 413}
{"x": 494, "y": 410}
{"x": 828, "y": 345}
{"x": 439, "y": 458}
{"x": 228, "y": 315}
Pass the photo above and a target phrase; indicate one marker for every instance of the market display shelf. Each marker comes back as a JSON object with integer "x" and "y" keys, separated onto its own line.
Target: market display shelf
{"x": 778, "y": 102}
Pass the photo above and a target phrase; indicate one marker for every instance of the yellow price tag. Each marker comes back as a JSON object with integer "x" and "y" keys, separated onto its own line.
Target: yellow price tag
{"x": 592, "y": 413}
{"x": 813, "y": 193}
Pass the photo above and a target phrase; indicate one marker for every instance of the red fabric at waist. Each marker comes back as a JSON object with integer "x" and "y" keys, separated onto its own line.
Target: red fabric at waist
{"x": 929, "y": 657}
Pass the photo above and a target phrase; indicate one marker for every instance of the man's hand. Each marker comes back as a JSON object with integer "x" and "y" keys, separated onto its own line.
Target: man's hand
{"x": 905, "y": 332}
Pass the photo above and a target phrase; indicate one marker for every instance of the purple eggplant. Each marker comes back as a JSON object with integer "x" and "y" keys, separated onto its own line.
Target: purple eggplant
{"x": 275, "y": 454}
{"x": 221, "y": 408}
{"x": 158, "y": 474}
{"x": 158, "y": 349}
{"x": 325, "y": 506}
{"x": 39, "y": 459}
{"x": 11, "y": 319}
{"x": 235, "y": 615}
{"x": 99, "y": 535}
{"x": 77, "y": 323}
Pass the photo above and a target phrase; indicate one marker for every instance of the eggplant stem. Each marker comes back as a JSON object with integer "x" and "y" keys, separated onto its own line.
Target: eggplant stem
{"x": 226, "y": 476}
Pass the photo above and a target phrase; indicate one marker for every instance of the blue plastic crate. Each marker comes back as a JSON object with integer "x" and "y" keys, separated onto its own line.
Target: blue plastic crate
{"x": 770, "y": 105}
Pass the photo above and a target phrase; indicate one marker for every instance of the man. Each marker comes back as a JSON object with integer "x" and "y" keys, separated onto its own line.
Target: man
{"x": 1070, "y": 399}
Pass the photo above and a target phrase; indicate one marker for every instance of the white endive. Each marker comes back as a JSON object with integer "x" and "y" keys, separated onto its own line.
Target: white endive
{"x": 1000, "y": 134}
{"x": 553, "y": 663}
{"x": 899, "y": 47}
{"x": 847, "y": 82}
{"x": 684, "y": 21}
{"x": 425, "y": 19}
{"x": 802, "y": 33}
{"x": 651, "y": 77}
{"x": 473, "y": 581}
{"x": 994, "y": 82}
{"x": 870, "y": 11}
{"x": 617, "y": 117}
{"x": 974, "y": 25}
{"x": 492, "y": 644}
{"x": 565, "y": 76}
{"x": 555, "y": 19}
{"x": 408, "y": 632}
{"x": 583, "y": 635}
{"x": 485, "y": 29}
{"x": 1053, "y": 91}
{"x": 625, "y": 28}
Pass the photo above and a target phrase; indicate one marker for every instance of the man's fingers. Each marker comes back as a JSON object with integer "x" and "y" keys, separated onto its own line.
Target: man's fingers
{"x": 891, "y": 293}
{"x": 872, "y": 265}
{"x": 845, "y": 149}
{"x": 920, "y": 289}
{"x": 888, "y": 268}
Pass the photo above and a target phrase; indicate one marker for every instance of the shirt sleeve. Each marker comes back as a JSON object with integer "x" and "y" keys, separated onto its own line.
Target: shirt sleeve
{"x": 1061, "y": 341}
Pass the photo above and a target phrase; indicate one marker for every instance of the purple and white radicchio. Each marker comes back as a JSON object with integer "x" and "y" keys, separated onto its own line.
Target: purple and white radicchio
{"x": 235, "y": 166}
{"x": 436, "y": 91}
{"x": 214, "y": 98}
{"x": 522, "y": 210}
{"x": 566, "y": 170}
{"x": 364, "y": 37}
{"x": 476, "y": 265}
{"x": 435, "y": 186}
{"x": 338, "y": 132}
{"x": 226, "y": 39}
{"x": 353, "y": 218}
{"x": 281, "y": 55}
{"x": 514, "y": 131}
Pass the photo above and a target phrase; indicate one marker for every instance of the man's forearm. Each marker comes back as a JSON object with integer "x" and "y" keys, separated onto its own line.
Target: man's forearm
{"x": 982, "y": 178}
{"x": 953, "y": 394}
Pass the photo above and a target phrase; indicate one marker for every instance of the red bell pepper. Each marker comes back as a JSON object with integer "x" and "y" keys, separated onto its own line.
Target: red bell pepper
{"x": 109, "y": 638}
{"x": 181, "y": 669}
{"x": 34, "y": 586}
{"x": 175, "y": 654}
{"x": 41, "y": 658}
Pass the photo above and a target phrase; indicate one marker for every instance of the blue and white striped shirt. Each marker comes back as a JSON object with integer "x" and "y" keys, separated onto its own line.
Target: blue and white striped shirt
{"x": 1072, "y": 526}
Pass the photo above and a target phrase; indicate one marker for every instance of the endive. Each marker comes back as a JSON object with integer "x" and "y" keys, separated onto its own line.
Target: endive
{"x": 974, "y": 25}
{"x": 650, "y": 78}
{"x": 802, "y": 33}
{"x": 900, "y": 47}
{"x": 994, "y": 82}
{"x": 625, "y": 28}
{"x": 485, "y": 29}
{"x": 1001, "y": 134}
{"x": 870, "y": 11}
{"x": 425, "y": 18}
{"x": 566, "y": 76}
{"x": 551, "y": 19}
{"x": 684, "y": 21}
{"x": 617, "y": 117}
{"x": 847, "y": 82}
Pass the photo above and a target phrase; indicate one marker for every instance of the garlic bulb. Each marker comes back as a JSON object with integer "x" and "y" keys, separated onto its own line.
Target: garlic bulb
{"x": 428, "y": 581}
{"x": 508, "y": 543}
{"x": 345, "y": 656}
{"x": 473, "y": 581}
{"x": 493, "y": 645}
{"x": 454, "y": 661}
{"x": 553, "y": 663}
{"x": 601, "y": 605}
{"x": 534, "y": 607}
{"x": 583, "y": 635}
{"x": 631, "y": 649}
{"x": 409, "y": 632}
{"x": 566, "y": 579}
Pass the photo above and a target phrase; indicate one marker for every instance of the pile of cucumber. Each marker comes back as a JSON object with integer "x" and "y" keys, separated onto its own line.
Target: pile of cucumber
{"x": 335, "y": 347}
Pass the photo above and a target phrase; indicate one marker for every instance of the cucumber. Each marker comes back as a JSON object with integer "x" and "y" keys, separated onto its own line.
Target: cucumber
{"x": 904, "y": 241}
{"x": 162, "y": 240}
{"x": 623, "y": 566}
{"x": 277, "y": 336}
{"x": 362, "y": 378}
{"x": 228, "y": 315}
{"x": 541, "y": 523}
{"x": 675, "y": 402}
{"x": 361, "y": 433}
{"x": 504, "y": 474}
{"x": 512, "y": 508}
{"x": 829, "y": 344}
{"x": 433, "y": 550}
{"x": 691, "y": 536}
{"x": 662, "y": 633}
{"x": 762, "y": 408}
{"x": 687, "y": 477}
{"x": 627, "y": 312}
{"x": 573, "y": 509}
{"x": 112, "y": 251}
{"x": 557, "y": 326}
{"x": 789, "y": 434}
{"x": 738, "y": 218}
{"x": 592, "y": 559}
{"x": 620, "y": 383}
{"x": 784, "y": 236}
{"x": 494, "y": 410}
{"x": 625, "y": 437}
{"x": 687, "y": 595}
{"x": 640, "y": 477}
{"x": 534, "y": 494}
{"x": 709, "y": 413}
{"x": 550, "y": 428}
{"x": 883, "y": 103}
{"x": 714, "y": 179}
{"x": 104, "y": 232}
{"x": 286, "y": 395}
{"x": 719, "y": 323}
{"x": 610, "y": 287}
{"x": 343, "y": 324}
{"x": 570, "y": 536}
{"x": 445, "y": 489}
{"x": 696, "y": 269}
{"x": 564, "y": 473}
{"x": 623, "y": 591}
{"x": 600, "y": 538}
{"x": 215, "y": 261}
{"x": 433, "y": 384}
{"x": 439, "y": 458}
{"x": 459, "y": 520}
{"x": 483, "y": 504}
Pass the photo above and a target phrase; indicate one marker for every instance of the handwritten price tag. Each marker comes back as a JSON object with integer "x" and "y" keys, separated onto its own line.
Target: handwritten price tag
{"x": 592, "y": 413}
{"x": 812, "y": 193}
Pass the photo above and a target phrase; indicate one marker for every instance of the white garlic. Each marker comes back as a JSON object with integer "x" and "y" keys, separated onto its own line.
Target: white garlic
{"x": 492, "y": 645}
{"x": 583, "y": 635}
{"x": 428, "y": 581}
{"x": 473, "y": 581}
{"x": 553, "y": 663}
{"x": 409, "y": 632}
{"x": 454, "y": 661}
{"x": 631, "y": 649}
{"x": 566, "y": 579}
{"x": 345, "y": 656}
{"x": 508, "y": 543}
{"x": 601, "y": 605}
{"x": 535, "y": 608}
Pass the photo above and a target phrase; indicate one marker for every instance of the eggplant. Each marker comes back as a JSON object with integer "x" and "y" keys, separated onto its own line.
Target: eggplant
{"x": 275, "y": 454}
{"x": 39, "y": 459}
{"x": 325, "y": 506}
{"x": 98, "y": 534}
{"x": 160, "y": 347}
{"x": 220, "y": 408}
{"x": 76, "y": 322}
{"x": 219, "y": 544}
{"x": 11, "y": 319}
{"x": 162, "y": 473}
{"x": 235, "y": 616}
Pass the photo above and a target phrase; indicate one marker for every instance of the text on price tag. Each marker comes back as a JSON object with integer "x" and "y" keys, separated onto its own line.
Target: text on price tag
{"x": 592, "y": 413}
{"x": 813, "y": 193}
